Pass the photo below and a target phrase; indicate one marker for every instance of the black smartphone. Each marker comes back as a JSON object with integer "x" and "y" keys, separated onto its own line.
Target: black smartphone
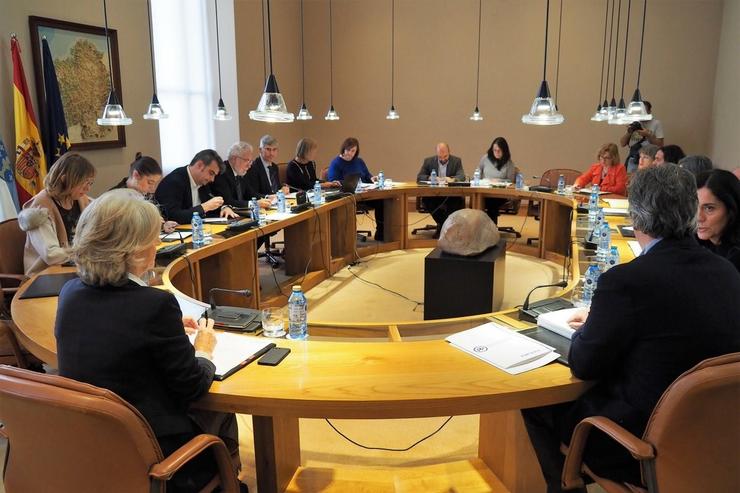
{"x": 274, "y": 356}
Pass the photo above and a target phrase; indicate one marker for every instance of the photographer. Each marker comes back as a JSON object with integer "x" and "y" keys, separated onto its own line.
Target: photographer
{"x": 639, "y": 134}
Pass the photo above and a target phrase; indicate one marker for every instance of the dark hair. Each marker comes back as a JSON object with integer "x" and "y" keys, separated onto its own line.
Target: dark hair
{"x": 696, "y": 164}
{"x": 505, "y": 156}
{"x": 145, "y": 166}
{"x": 648, "y": 106}
{"x": 726, "y": 187}
{"x": 349, "y": 143}
{"x": 672, "y": 153}
{"x": 207, "y": 156}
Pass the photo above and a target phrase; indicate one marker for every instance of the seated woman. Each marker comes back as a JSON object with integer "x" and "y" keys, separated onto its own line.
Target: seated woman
{"x": 142, "y": 354}
{"x": 647, "y": 156}
{"x": 496, "y": 164}
{"x": 669, "y": 154}
{"x": 608, "y": 173}
{"x": 50, "y": 217}
{"x": 301, "y": 173}
{"x": 349, "y": 162}
{"x": 144, "y": 175}
{"x": 719, "y": 214}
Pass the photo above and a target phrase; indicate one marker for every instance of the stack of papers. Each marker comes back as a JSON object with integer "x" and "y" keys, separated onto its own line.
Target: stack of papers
{"x": 618, "y": 203}
{"x": 279, "y": 216}
{"x": 503, "y": 348}
{"x": 557, "y": 321}
{"x": 175, "y": 235}
{"x": 234, "y": 351}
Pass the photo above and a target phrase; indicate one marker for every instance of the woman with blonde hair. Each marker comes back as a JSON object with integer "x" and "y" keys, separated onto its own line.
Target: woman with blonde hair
{"x": 116, "y": 332}
{"x": 607, "y": 173}
{"x": 50, "y": 217}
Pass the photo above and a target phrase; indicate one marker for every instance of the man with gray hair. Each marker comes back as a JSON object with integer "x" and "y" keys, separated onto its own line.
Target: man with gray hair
{"x": 232, "y": 184}
{"x": 650, "y": 320}
{"x": 263, "y": 176}
{"x": 695, "y": 164}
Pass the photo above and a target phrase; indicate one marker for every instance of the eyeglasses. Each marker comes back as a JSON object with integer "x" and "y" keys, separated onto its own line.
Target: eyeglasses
{"x": 607, "y": 158}
{"x": 246, "y": 160}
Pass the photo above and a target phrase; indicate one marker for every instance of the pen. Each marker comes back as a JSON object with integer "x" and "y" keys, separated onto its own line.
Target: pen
{"x": 250, "y": 359}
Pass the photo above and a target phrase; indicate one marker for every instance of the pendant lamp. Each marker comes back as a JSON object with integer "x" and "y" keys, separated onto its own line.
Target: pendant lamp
{"x": 621, "y": 113}
{"x": 113, "y": 114}
{"x": 392, "y": 113}
{"x": 271, "y": 107}
{"x": 476, "y": 116}
{"x": 154, "y": 111}
{"x": 303, "y": 113}
{"x": 636, "y": 110}
{"x": 557, "y": 64}
{"x": 613, "y": 104}
{"x": 221, "y": 113}
{"x": 600, "y": 114}
{"x": 543, "y": 111}
{"x": 332, "y": 114}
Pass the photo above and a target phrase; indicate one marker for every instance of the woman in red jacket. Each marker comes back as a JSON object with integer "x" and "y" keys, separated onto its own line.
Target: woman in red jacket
{"x": 609, "y": 174}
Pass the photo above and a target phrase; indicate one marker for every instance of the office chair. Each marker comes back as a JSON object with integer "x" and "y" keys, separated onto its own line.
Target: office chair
{"x": 362, "y": 234}
{"x": 550, "y": 179}
{"x": 692, "y": 440}
{"x": 65, "y": 435}
{"x": 11, "y": 352}
{"x": 12, "y": 243}
{"x": 511, "y": 207}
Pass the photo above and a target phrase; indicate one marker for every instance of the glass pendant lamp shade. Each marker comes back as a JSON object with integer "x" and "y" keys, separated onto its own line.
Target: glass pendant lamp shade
{"x": 618, "y": 118}
{"x": 392, "y": 114}
{"x": 155, "y": 111}
{"x": 543, "y": 111}
{"x": 600, "y": 114}
{"x": 332, "y": 114}
{"x": 476, "y": 116}
{"x": 303, "y": 113}
{"x": 271, "y": 107}
{"x": 221, "y": 113}
{"x": 113, "y": 114}
{"x": 636, "y": 111}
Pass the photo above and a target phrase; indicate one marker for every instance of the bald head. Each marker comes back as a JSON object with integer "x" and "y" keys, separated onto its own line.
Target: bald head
{"x": 443, "y": 151}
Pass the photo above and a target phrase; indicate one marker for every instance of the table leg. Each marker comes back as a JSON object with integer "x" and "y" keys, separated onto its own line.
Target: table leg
{"x": 503, "y": 444}
{"x": 277, "y": 451}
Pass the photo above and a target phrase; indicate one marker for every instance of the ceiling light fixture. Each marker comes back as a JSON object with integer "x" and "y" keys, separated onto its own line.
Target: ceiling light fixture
{"x": 476, "y": 116}
{"x": 636, "y": 111}
{"x": 600, "y": 114}
{"x": 221, "y": 113}
{"x": 154, "y": 111}
{"x": 621, "y": 113}
{"x": 392, "y": 113}
{"x": 113, "y": 114}
{"x": 332, "y": 114}
{"x": 303, "y": 113}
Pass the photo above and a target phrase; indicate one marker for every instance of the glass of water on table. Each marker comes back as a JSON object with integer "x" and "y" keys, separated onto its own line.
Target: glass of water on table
{"x": 273, "y": 322}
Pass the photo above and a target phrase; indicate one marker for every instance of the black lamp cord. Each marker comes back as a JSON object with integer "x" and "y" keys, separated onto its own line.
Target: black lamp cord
{"x": 642, "y": 41}
{"x": 218, "y": 53}
{"x": 107, "y": 41}
{"x": 477, "y": 73}
{"x": 557, "y": 66}
{"x": 269, "y": 34}
{"x": 331, "y": 61}
{"x": 151, "y": 45}
{"x": 616, "y": 51}
{"x": 626, "y": 38}
{"x": 303, "y": 65}
{"x": 609, "y": 62}
{"x": 547, "y": 27}
{"x": 603, "y": 51}
{"x": 264, "y": 42}
{"x": 393, "y": 49}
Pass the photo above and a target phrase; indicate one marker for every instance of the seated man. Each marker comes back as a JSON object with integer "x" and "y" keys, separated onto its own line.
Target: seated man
{"x": 449, "y": 168}
{"x": 187, "y": 189}
{"x": 232, "y": 183}
{"x": 650, "y": 320}
{"x": 263, "y": 176}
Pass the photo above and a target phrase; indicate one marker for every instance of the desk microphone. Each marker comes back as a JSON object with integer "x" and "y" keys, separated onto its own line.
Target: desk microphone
{"x": 560, "y": 284}
{"x": 556, "y": 304}
{"x": 211, "y": 299}
{"x": 233, "y": 317}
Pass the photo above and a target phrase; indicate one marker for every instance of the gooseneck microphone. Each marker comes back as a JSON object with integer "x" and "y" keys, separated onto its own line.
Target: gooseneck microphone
{"x": 560, "y": 284}
{"x": 244, "y": 292}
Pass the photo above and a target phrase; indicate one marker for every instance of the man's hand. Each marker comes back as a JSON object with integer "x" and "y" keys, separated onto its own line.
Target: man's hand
{"x": 212, "y": 204}
{"x": 449, "y": 179}
{"x": 190, "y": 325}
{"x": 228, "y": 213}
{"x": 286, "y": 189}
{"x": 577, "y": 320}
{"x": 205, "y": 341}
{"x": 169, "y": 226}
{"x": 330, "y": 184}
{"x": 264, "y": 203}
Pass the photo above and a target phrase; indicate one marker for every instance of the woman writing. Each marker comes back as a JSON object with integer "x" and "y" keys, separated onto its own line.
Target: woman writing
{"x": 496, "y": 164}
{"x": 608, "y": 174}
{"x": 301, "y": 173}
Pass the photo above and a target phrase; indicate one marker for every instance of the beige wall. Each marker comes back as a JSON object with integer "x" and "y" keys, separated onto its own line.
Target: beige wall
{"x": 725, "y": 136}
{"x": 435, "y": 76}
{"x": 129, "y": 17}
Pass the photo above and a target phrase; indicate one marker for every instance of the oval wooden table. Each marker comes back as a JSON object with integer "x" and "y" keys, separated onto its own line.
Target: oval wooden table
{"x": 356, "y": 380}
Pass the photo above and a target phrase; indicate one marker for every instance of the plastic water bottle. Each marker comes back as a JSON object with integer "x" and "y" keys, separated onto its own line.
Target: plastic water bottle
{"x": 254, "y": 207}
{"x": 297, "y": 315}
{"x": 433, "y": 178}
{"x": 594, "y": 236}
{"x": 381, "y": 180}
{"x": 519, "y": 181}
{"x": 197, "y": 226}
{"x": 589, "y": 283}
{"x": 605, "y": 238}
{"x": 280, "y": 201}
{"x": 317, "y": 193}
{"x": 613, "y": 257}
{"x": 476, "y": 178}
{"x": 561, "y": 184}
{"x": 593, "y": 207}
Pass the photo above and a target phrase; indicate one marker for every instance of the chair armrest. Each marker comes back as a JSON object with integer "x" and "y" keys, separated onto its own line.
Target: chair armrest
{"x": 165, "y": 469}
{"x": 17, "y": 279}
{"x": 639, "y": 449}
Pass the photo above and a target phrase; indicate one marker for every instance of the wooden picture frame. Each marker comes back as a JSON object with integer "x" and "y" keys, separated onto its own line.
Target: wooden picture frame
{"x": 84, "y": 91}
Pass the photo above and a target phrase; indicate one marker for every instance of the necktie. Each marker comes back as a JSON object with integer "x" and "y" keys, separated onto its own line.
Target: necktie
{"x": 239, "y": 190}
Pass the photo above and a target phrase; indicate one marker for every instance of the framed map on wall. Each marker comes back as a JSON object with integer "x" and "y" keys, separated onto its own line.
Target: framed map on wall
{"x": 80, "y": 55}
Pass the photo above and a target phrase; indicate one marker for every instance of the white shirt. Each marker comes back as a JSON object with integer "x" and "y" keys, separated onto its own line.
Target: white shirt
{"x": 442, "y": 168}
{"x": 193, "y": 189}
{"x": 655, "y": 127}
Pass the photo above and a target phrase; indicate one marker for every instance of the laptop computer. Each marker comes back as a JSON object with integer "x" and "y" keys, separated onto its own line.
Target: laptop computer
{"x": 349, "y": 183}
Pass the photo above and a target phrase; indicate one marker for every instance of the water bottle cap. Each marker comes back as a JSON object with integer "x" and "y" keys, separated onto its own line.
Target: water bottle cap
{"x": 297, "y": 287}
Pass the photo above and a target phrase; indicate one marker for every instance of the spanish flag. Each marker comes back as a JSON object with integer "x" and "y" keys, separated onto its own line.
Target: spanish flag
{"x": 30, "y": 165}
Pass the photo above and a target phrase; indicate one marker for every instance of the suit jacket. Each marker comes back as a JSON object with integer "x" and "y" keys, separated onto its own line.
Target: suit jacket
{"x": 225, "y": 185}
{"x": 301, "y": 176}
{"x": 454, "y": 168}
{"x": 615, "y": 180}
{"x": 141, "y": 354}
{"x": 175, "y": 200}
{"x": 258, "y": 178}
{"x": 650, "y": 320}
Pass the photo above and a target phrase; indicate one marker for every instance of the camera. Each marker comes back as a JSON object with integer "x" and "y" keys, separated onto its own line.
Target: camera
{"x": 634, "y": 126}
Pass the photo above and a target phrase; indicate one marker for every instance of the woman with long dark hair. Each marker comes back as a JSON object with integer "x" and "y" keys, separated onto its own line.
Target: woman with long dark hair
{"x": 495, "y": 165}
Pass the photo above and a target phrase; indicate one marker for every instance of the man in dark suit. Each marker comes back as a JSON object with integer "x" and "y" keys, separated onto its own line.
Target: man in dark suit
{"x": 232, "y": 184}
{"x": 650, "y": 320}
{"x": 449, "y": 168}
{"x": 263, "y": 176}
{"x": 187, "y": 189}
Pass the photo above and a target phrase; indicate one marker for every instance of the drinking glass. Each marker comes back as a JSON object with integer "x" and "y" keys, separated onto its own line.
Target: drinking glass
{"x": 273, "y": 322}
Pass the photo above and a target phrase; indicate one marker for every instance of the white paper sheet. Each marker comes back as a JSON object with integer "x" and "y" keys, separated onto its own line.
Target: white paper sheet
{"x": 636, "y": 248}
{"x": 503, "y": 348}
{"x": 618, "y": 203}
{"x": 175, "y": 235}
{"x": 191, "y": 308}
{"x": 279, "y": 216}
{"x": 232, "y": 349}
{"x": 557, "y": 321}
{"x": 613, "y": 211}
{"x": 216, "y": 220}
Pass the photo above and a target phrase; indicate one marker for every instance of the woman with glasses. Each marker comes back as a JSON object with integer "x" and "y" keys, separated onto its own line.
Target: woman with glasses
{"x": 608, "y": 173}
{"x": 50, "y": 217}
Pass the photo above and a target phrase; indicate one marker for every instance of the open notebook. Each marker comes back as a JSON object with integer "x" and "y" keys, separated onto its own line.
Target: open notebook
{"x": 235, "y": 351}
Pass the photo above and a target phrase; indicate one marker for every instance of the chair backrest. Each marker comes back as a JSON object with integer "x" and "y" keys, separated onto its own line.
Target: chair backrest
{"x": 12, "y": 243}
{"x": 695, "y": 429}
{"x": 283, "y": 172}
{"x": 324, "y": 174}
{"x": 65, "y": 435}
{"x": 550, "y": 177}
